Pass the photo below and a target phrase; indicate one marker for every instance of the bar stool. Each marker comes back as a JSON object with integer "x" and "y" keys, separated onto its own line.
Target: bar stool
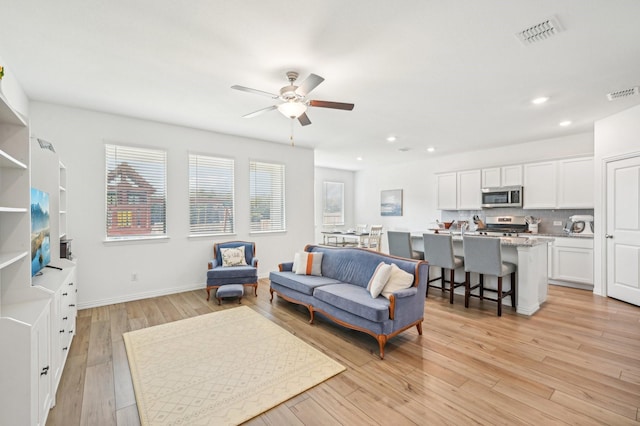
{"x": 400, "y": 245}
{"x": 483, "y": 255}
{"x": 438, "y": 251}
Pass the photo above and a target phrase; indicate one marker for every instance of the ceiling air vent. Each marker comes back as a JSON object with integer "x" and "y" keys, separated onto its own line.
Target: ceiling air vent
{"x": 539, "y": 32}
{"x": 623, "y": 93}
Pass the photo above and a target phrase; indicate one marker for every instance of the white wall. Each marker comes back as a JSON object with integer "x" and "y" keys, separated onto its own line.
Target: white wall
{"x": 614, "y": 136}
{"x": 12, "y": 91}
{"x": 323, "y": 174}
{"x": 417, "y": 178}
{"x": 178, "y": 263}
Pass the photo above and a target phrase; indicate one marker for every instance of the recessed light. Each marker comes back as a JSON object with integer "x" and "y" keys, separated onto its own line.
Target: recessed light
{"x": 540, "y": 100}
{"x": 359, "y": 158}
{"x": 391, "y": 139}
{"x": 404, "y": 149}
{"x": 565, "y": 123}
{"x": 431, "y": 149}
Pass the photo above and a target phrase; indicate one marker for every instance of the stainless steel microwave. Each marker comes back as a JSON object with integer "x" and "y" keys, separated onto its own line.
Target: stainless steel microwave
{"x": 506, "y": 196}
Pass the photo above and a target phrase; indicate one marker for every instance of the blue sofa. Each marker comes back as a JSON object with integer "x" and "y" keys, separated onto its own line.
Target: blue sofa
{"x": 341, "y": 292}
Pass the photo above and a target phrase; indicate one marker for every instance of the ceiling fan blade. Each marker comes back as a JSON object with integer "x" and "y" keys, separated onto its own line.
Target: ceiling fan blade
{"x": 309, "y": 84}
{"x": 304, "y": 119}
{"x": 256, "y": 91}
{"x": 334, "y": 105}
{"x": 260, "y": 111}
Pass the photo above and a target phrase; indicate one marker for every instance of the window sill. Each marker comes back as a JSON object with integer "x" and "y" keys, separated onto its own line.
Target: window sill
{"x": 211, "y": 235}
{"x": 127, "y": 240}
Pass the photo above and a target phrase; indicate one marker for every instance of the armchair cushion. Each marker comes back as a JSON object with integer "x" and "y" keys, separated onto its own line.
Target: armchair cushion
{"x": 233, "y": 256}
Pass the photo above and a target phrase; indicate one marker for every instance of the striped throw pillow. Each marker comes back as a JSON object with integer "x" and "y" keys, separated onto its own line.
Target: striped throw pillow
{"x": 309, "y": 263}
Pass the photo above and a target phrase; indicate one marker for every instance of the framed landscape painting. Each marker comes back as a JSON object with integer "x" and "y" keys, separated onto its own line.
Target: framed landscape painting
{"x": 391, "y": 202}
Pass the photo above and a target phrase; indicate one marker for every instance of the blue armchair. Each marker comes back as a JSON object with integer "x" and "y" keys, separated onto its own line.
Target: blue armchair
{"x": 219, "y": 275}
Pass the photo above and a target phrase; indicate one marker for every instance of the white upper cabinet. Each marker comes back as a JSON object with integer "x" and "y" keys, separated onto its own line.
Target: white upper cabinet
{"x": 540, "y": 185}
{"x": 469, "y": 190}
{"x": 502, "y": 176}
{"x": 446, "y": 194}
{"x": 575, "y": 183}
{"x": 512, "y": 175}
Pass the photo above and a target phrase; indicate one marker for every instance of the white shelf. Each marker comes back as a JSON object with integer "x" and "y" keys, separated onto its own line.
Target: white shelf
{"x": 8, "y": 161}
{"x": 7, "y": 259}
{"x": 26, "y": 312}
{"x": 63, "y": 212}
{"x": 12, "y": 210}
{"x": 8, "y": 115}
{"x": 62, "y": 189}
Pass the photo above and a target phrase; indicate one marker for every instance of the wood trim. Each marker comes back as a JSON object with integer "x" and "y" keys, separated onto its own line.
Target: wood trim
{"x": 392, "y": 307}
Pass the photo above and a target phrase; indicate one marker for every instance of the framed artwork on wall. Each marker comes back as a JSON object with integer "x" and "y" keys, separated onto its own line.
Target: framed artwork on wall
{"x": 391, "y": 202}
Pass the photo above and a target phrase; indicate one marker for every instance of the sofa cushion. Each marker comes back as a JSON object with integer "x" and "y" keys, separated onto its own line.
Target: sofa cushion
{"x": 379, "y": 279}
{"x": 233, "y": 256}
{"x": 302, "y": 283}
{"x": 398, "y": 280}
{"x": 354, "y": 299}
{"x": 308, "y": 263}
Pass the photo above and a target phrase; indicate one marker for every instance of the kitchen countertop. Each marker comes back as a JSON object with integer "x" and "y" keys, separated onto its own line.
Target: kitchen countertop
{"x": 563, "y": 235}
{"x": 530, "y": 240}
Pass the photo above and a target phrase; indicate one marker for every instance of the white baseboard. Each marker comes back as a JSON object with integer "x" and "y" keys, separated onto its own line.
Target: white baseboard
{"x": 138, "y": 296}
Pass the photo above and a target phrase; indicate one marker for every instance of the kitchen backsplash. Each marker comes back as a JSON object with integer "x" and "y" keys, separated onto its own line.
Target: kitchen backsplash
{"x": 546, "y": 226}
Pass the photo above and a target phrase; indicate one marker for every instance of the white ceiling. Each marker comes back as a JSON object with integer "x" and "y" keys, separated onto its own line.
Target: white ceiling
{"x": 448, "y": 74}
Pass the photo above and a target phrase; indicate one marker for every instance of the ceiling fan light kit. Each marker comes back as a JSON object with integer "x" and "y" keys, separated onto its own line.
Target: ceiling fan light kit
{"x": 294, "y": 103}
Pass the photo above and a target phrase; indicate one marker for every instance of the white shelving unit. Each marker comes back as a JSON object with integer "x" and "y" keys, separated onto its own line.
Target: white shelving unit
{"x": 25, "y": 329}
{"x": 63, "y": 201}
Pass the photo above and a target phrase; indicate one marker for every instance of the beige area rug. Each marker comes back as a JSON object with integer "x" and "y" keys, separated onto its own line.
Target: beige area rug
{"x": 221, "y": 368}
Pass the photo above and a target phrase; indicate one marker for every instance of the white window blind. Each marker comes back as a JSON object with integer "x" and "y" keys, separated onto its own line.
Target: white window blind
{"x": 211, "y": 195}
{"x": 333, "y": 204}
{"x": 136, "y": 192}
{"x": 267, "y": 197}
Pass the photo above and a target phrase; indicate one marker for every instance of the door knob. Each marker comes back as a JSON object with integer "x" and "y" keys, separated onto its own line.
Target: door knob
{"x": 608, "y": 236}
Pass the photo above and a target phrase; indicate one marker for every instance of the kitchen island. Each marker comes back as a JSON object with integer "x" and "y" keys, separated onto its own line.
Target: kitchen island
{"x": 530, "y": 254}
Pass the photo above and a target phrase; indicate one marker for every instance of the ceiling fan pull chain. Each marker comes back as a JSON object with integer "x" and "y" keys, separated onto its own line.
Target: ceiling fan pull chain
{"x": 291, "y": 137}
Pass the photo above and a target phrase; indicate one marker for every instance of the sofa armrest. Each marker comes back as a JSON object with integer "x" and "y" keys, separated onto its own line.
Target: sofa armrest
{"x": 286, "y": 266}
{"x": 254, "y": 262}
{"x": 213, "y": 263}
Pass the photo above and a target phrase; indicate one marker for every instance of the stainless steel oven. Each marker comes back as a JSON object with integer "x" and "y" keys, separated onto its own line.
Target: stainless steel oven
{"x": 506, "y": 196}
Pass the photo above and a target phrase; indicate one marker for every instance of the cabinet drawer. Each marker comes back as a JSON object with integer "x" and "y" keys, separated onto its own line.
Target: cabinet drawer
{"x": 574, "y": 242}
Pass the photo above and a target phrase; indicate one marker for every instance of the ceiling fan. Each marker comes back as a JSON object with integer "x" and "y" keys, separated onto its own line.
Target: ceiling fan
{"x": 294, "y": 99}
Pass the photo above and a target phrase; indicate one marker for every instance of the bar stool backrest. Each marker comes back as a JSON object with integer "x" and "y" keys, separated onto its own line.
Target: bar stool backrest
{"x": 482, "y": 255}
{"x": 400, "y": 244}
{"x": 438, "y": 250}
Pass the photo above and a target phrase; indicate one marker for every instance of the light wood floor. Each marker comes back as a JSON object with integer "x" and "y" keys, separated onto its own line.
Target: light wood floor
{"x": 576, "y": 361}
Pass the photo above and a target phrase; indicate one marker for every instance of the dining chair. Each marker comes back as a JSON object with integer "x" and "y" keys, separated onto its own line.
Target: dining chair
{"x": 374, "y": 239}
{"x": 400, "y": 245}
{"x": 438, "y": 251}
{"x": 483, "y": 255}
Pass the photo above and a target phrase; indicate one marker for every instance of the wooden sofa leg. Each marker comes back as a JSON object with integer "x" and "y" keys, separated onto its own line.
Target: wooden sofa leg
{"x": 311, "y": 314}
{"x": 419, "y": 327}
{"x": 208, "y": 293}
{"x": 271, "y": 298}
{"x": 382, "y": 340}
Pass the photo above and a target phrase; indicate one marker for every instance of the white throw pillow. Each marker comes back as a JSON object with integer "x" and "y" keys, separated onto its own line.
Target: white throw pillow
{"x": 379, "y": 279}
{"x": 233, "y": 256}
{"x": 399, "y": 280}
{"x": 309, "y": 263}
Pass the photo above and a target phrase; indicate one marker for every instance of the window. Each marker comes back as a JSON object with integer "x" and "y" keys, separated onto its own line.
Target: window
{"x": 266, "y": 193}
{"x": 136, "y": 194}
{"x": 211, "y": 196}
{"x": 333, "y": 204}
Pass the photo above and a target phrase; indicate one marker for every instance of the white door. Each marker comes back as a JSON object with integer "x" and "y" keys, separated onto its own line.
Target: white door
{"x": 623, "y": 229}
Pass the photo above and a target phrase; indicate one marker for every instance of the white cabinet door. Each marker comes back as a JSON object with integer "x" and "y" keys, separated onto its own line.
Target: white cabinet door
{"x": 572, "y": 260}
{"x": 446, "y": 191}
{"x": 491, "y": 177}
{"x": 511, "y": 175}
{"x": 41, "y": 337}
{"x": 575, "y": 183}
{"x": 540, "y": 185}
{"x": 469, "y": 194}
